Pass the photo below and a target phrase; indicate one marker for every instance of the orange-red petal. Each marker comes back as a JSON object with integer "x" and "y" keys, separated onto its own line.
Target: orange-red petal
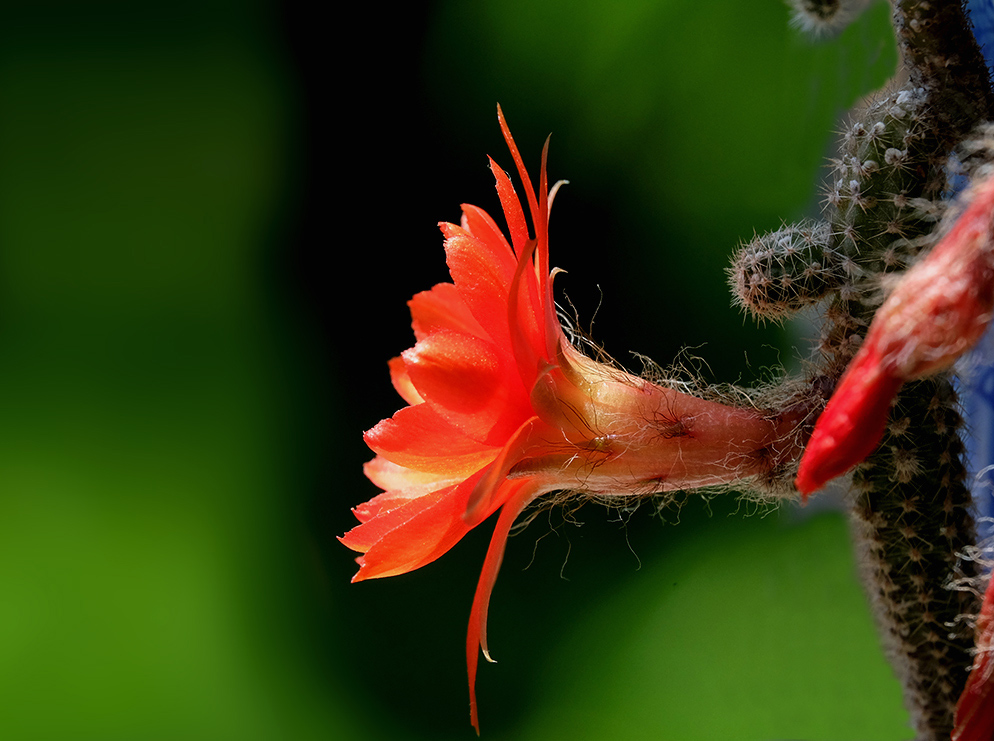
{"x": 400, "y": 486}
{"x": 469, "y": 384}
{"x": 387, "y": 476}
{"x": 538, "y": 219}
{"x": 401, "y": 381}
{"x": 417, "y": 437}
{"x": 442, "y": 308}
{"x": 488, "y": 489}
{"x": 407, "y": 537}
{"x": 513, "y": 213}
{"x": 479, "y": 224}
{"x": 526, "y": 319}
{"x": 483, "y": 281}
{"x": 516, "y": 495}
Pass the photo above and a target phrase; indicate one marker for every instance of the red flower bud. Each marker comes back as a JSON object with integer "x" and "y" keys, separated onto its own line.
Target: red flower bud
{"x": 937, "y": 312}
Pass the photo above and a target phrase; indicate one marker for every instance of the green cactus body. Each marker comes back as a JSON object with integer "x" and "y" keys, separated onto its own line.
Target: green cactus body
{"x": 778, "y": 273}
{"x": 910, "y": 509}
{"x": 911, "y": 517}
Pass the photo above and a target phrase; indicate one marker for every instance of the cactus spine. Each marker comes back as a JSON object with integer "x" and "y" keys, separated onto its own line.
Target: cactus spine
{"x": 909, "y": 506}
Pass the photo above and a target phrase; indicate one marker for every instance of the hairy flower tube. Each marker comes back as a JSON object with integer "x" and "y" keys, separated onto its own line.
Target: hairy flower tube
{"x": 938, "y": 311}
{"x": 502, "y": 408}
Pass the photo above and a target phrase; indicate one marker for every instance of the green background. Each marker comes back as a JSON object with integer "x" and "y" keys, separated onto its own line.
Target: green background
{"x": 211, "y": 217}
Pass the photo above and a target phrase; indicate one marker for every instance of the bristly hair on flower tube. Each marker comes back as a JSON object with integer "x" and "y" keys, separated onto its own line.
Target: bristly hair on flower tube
{"x": 502, "y": 408}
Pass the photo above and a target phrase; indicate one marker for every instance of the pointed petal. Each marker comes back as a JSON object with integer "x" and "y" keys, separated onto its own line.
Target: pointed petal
{"x": 526, "y": 321}
{"x": 400, "y": 486}
{"x": 522, "y": 172}
{"x": 478, "y": 223}
{"x": 417, "y": 437}
{"x": 488, "y": 489}
{"x": 518, "y": 494}
{"x": 388, "y": 500}
{"x": 553, "y": 330}
{"x": 442, "y": 308}
{"x": 387, "y": 476}
{"x": 407, "y": 537}
{"x": 541, "y": 219}
{"x": 483, "y": 281}
{"x": 469, "y": 384}
{"x": 513, "y": 214}
{"x": 401, "y": 381}
{"x": 412, "y": 535}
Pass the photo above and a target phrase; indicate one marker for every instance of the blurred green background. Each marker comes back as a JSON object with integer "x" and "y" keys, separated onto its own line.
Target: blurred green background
{"x": 211, "y": 217}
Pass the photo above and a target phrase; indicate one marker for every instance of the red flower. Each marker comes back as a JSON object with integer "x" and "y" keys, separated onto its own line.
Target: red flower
{"x": 974, "y": 719}
{"x": 502, "y": 409}
{"x": 938, "y": 311}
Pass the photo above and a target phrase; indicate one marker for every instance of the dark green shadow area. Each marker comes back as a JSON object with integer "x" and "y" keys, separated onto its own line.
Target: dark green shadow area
{"x": 211, "y": 215}
{"x": 682, "y": 127}
{"x": 156, "y": 573}
{"x": 739, "y": 629}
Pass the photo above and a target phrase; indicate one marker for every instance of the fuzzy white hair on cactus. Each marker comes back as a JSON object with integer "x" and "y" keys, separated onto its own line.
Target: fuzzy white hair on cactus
{"x": 822, "y": 18}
